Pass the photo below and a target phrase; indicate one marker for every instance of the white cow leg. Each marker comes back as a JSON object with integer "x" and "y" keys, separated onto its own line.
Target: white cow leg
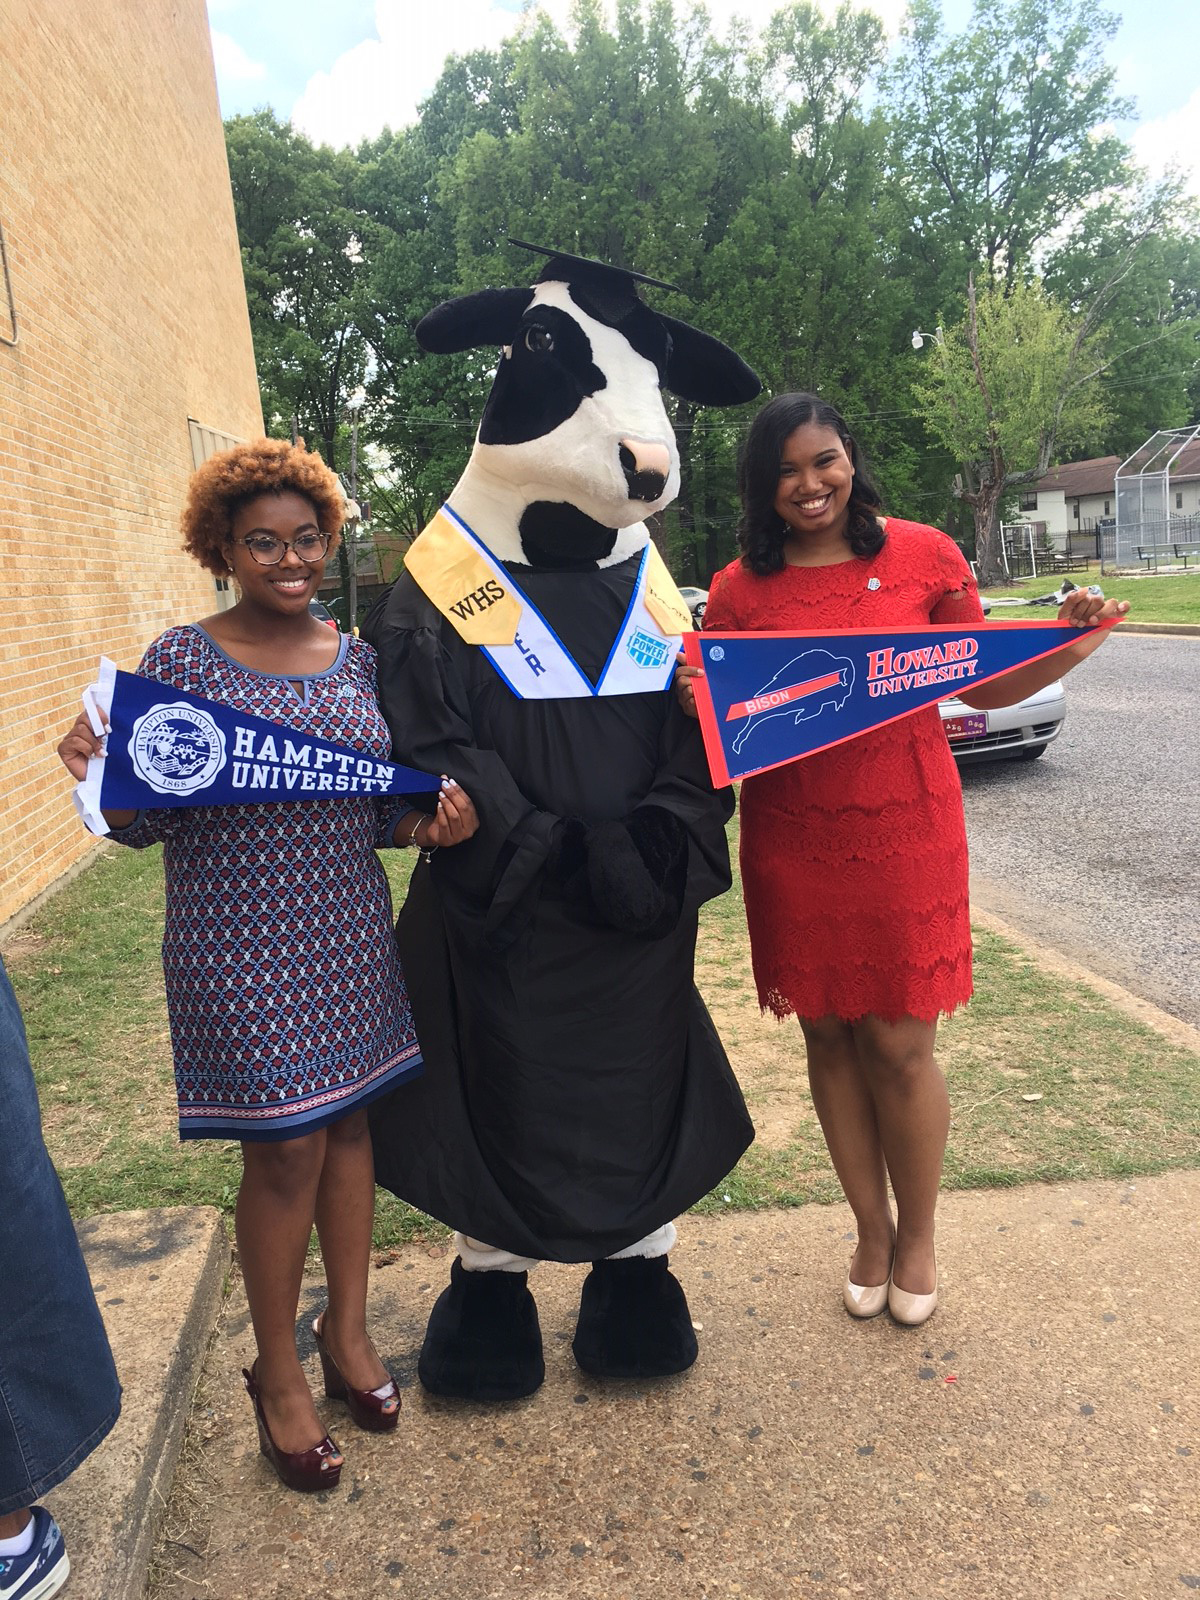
{"x": 658, "y": 1243}
{"x": 479, "y": 1257}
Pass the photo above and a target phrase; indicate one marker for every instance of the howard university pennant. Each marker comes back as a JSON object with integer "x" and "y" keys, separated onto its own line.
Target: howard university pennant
{"x": 770, "y": 698}
{"x": 166, "y": 747}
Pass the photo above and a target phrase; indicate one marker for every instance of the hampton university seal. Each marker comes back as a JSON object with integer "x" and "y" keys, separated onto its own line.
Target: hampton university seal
{"x": 177, "y": 749}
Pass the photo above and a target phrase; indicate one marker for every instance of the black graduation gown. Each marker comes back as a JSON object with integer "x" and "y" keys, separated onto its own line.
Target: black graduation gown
{"x": 576, "y": 1095}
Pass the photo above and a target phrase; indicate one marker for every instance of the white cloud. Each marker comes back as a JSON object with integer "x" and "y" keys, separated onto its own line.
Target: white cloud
{"x": 1135, "y": 75}
{"x": 380, "y": 82}
{"x": 232, "y": 63}
{"x": 1172, "y": 139}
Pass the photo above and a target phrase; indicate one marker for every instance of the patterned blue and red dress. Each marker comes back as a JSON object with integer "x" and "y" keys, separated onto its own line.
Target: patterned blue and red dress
{"x": 285, "y": 996}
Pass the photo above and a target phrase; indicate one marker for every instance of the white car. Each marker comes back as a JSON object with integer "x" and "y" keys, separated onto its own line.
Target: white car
{"x": 1024, "y": 729}
{"x": 696, "y": 601}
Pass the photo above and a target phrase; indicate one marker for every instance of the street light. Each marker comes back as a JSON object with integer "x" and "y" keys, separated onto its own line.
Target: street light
{"x": 919, "y": 338}
{"x": 354, "y": 406}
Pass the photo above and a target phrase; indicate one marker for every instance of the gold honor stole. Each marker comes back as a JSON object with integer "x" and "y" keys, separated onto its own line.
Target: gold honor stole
{"x": 480, "y": 599}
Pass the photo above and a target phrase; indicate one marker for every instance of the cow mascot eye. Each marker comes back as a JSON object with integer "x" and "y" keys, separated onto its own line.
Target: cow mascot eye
{"x": 538, "y": 339}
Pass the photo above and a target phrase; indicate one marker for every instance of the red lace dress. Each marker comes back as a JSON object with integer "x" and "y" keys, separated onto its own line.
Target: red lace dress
{"x": 854, "y": 860}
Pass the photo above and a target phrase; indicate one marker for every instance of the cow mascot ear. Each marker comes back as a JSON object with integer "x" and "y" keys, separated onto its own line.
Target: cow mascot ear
{"x": 703, "y": 370}
{"x": 489, "y": 317}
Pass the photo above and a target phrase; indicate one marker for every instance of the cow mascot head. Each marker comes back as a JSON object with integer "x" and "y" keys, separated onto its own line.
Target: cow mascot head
{"x": 574, "y": 446}
{"x": 576, "y": 1097}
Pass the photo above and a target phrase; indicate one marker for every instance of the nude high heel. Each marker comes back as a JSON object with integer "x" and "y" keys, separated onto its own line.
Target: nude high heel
{"x": 865, "y": 1300}
{"x": 913, "y": 1309}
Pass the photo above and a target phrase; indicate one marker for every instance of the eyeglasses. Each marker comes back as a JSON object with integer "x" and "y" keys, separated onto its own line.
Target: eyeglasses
{"x": 268, "y": 551}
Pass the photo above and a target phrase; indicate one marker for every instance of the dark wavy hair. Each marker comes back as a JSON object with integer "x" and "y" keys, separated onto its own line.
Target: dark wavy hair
{"x": 761, "y": 530}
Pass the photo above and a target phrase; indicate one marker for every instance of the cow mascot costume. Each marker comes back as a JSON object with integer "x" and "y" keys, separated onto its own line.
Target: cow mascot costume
{"x": 577, "y": 1096}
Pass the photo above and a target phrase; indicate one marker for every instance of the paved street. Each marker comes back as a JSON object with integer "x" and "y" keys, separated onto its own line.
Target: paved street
{"x": 1095, "y": 848}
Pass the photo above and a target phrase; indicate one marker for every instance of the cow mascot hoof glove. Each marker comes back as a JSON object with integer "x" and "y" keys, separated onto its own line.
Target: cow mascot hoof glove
{"x": 576, "y": 1097}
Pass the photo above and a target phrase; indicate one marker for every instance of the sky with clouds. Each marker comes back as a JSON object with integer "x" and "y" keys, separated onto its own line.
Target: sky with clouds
{"x": 343, "y": 72}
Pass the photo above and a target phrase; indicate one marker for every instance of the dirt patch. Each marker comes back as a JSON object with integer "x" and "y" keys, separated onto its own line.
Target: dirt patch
{"x": 767, "y": 1055}
{"x": 22, "y": 948}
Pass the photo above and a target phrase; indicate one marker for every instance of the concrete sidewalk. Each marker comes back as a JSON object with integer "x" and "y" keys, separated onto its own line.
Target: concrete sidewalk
{"x": 1039, "y": 1437}
{"x": 1182, "y": 629}
{"x": 160, "y": 1279}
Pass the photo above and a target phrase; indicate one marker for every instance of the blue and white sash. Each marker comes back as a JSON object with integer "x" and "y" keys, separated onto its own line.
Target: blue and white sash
{"x": 487, "y": 607}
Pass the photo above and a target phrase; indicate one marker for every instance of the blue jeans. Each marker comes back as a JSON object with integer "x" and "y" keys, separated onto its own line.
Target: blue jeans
{"x": 59, "y": 1393}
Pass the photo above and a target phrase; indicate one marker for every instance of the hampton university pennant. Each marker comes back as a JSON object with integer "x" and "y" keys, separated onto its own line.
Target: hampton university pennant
{"x": 169, "y": 748}
{"x": 769, "y": 698}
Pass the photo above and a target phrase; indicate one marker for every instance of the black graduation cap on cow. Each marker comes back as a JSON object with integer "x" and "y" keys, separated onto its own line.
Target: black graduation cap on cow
{"x": 691, "y": 364}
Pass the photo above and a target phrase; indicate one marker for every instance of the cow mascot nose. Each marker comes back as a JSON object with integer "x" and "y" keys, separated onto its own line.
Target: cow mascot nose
{"x": 646, "y": 468}
{"x": 576, "y": 1097}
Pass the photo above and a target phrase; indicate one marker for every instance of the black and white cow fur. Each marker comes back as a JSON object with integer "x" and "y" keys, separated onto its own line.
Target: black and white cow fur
{"x": 574, "y": 436}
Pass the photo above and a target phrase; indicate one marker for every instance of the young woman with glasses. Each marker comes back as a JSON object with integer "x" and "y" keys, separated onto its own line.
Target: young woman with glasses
{"x": 287, "y": 1005}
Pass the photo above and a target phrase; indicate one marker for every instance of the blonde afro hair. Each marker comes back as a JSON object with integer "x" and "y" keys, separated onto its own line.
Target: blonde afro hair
{"x": 218, "y": 490}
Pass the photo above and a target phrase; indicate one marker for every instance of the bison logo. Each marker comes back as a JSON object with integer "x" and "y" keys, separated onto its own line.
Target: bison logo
{"x": 801, "y": 689}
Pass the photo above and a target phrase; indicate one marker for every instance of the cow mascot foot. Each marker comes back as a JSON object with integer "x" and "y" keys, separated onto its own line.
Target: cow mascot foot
{"x": 634, "y": 1321}
{"x": 483, "y": 1341}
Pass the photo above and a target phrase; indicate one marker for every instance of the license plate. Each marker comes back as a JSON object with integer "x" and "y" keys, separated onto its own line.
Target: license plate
{"x": 969, "y": 727}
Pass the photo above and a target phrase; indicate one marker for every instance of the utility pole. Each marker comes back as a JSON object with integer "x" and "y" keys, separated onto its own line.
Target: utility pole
{"x": 354, "y": 405}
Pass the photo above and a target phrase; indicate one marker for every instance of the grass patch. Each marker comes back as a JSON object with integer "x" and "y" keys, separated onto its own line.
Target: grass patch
{"x": 1108, "y": 1097}
{"x": 1114, "y": 1098}
{"x": 1153, "y": 599}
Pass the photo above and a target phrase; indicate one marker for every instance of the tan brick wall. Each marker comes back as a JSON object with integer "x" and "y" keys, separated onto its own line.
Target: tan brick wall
{"x": 127, "y": 282}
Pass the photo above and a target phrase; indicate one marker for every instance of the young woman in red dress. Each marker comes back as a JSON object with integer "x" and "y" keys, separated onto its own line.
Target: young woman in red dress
{"x": 854, "y": 860}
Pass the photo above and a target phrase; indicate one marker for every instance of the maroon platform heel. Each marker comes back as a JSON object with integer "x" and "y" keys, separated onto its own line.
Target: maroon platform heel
{"x": 368, "y": 1407}
{"x": 305, "y": 1470}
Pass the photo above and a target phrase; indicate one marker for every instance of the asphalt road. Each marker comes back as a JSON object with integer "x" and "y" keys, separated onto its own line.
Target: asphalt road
{"x": 1095, "y": 847}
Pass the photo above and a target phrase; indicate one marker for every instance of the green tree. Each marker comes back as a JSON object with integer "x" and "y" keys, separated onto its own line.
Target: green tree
{"x": 1153, "y": 313}
{"x": 1003, "y": 389}
{"x": 1002, "y": 131}
{"x": 803, "y": 278}
{"x": 300, "y": 239}
{"x": 1004, "y": 155}
{"x": 423, "y": 413}
{"x": 807, "y": 220}
{"x": 608, "y": 155}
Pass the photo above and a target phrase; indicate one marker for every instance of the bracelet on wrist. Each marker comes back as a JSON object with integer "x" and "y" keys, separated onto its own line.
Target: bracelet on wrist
{"x": 425, "y": 851}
